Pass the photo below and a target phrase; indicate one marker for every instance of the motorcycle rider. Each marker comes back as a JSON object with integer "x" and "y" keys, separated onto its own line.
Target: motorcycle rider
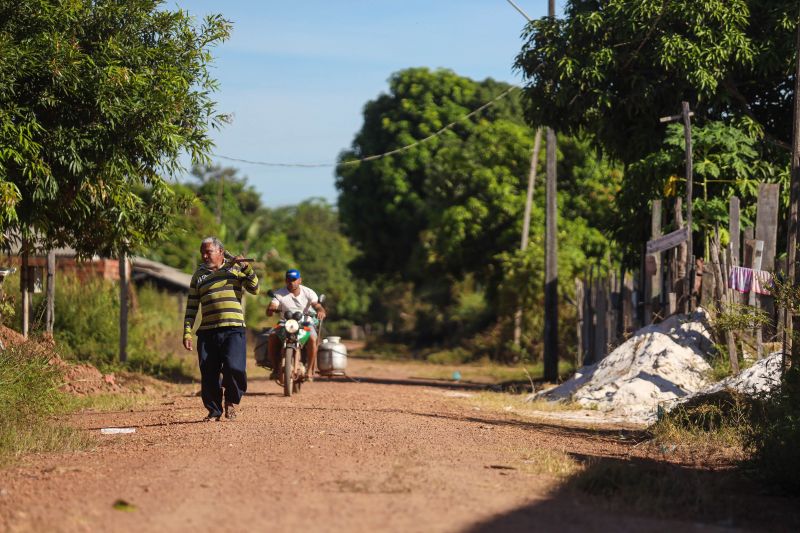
{"x": 294, "y": 297}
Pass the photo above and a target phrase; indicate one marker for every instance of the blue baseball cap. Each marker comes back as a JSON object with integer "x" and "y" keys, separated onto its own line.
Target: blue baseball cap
{"x": 293, "y": 274}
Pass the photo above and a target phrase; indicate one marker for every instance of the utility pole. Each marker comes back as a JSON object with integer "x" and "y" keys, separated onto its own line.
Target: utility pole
{"x": 526, "y": 222}
{"x": 551, "y": 244}
{"x": 685, "y": 117}
{"x": 51, "y": 292}
{"x": 123, "y": 306}
{"x": 793, "y": 273}
{"x": 551, "y": 253}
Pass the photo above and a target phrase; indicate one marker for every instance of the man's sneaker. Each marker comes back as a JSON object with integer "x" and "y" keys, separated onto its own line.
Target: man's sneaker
{"x": 212, "y": 417}
{"x": 231, "y": 410}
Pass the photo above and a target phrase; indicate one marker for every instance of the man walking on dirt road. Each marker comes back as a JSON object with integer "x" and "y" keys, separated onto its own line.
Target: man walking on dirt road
{"x": 217, "y": 289}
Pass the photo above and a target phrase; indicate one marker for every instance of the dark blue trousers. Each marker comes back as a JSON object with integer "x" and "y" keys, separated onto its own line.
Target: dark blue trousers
{"x": 222, "y": 350}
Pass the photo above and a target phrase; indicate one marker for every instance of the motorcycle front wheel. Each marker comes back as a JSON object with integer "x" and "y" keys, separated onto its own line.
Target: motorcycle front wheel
{"x": 288, "y": 367}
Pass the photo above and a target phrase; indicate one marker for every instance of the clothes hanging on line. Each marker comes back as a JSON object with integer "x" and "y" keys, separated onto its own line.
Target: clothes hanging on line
{"x": 745, "y": 279}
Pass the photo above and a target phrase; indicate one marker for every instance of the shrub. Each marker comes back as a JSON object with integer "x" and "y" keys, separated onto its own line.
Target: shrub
{"x": 774, "y": 436}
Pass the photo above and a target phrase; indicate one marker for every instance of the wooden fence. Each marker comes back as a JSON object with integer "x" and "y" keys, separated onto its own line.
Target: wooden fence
{"x": 613, "y": 304}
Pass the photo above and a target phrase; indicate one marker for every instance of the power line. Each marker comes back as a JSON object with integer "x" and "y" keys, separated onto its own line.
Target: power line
{"x": 377, "y": 156}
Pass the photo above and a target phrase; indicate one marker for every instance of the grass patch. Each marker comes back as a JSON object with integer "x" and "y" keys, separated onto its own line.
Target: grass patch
{"x": 30, "y": 402}
{"x": 544, "y": 462}
{"x": 110, "y": 402}
{"x": 485, "y": 371}
{"x": 716, "y": 420}
{"x": 503, "y": 401}
{"x": 87, "y": 328}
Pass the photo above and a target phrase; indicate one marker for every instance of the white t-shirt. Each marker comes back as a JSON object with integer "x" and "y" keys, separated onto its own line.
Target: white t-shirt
{"x": 289, "y": 302}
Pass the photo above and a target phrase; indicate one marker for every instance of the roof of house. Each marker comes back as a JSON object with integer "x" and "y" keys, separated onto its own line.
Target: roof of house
{"x": 142, "y": 267}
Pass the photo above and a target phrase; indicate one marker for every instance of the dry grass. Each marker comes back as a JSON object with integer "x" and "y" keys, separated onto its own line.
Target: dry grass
{"x": 516, "y": 403}
{"x": 112, "y": 402}
{"x": 546, "y": 462}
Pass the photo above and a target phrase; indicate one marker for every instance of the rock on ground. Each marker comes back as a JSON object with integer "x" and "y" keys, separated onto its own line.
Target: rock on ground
{"x": 659, "y": 363}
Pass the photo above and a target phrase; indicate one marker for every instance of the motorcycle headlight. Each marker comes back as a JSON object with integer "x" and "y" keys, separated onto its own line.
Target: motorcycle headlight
{"x": 292, "y": 326}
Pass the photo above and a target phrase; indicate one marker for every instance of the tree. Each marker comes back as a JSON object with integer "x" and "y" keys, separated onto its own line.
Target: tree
{"x": 316, "y": 245}
{"x": 98, "y": 100}
{"x": 729, "y": 160}
{"x": 393, "y": 207}
{"x": 612, "y": 68}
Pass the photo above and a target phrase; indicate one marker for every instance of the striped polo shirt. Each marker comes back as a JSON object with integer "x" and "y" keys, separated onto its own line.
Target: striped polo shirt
{"x": 219, "y": 292}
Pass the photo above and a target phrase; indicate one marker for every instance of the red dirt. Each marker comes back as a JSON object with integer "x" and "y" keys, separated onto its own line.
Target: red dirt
{"x": 384, "y": 454}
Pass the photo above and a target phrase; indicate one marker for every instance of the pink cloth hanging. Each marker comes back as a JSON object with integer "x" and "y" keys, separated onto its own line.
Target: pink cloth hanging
{"x": 762, "y": 281}
{"x": 740, "y": 279}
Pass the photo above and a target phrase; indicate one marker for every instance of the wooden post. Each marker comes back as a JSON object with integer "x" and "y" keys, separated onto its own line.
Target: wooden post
{"x": 123, "y": 307}
{"x": 551, "y": 266}
{"x": 601, "y": 333}
{"x": 23, "y": 287}
{"x": 653, "y": 278}
{"x": 687, "y": 135}
{"x": 719, "y": 300}
{"x": 758, "y": 252}
{"x": 681, "y": 261}
{"x": 734, "y": 230}
{"x": 767, "y": 222}
{"x": 589, "y": 320}
{"x": 793, "y": 273}
{"x": 526, "y": 221}
{"x": 51, "y": 292}
{"x": 579, "y": 304}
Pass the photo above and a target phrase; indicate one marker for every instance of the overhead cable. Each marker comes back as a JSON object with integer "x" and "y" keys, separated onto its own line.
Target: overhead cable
{"x": 377, "y": 156}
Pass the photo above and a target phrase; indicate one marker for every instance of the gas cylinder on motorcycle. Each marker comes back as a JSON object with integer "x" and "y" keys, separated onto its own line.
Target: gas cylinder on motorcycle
{"x": 332, "y": 357}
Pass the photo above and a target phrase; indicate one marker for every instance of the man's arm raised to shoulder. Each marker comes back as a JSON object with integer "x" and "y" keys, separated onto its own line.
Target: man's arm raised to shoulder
{"x": 248, "y": 275}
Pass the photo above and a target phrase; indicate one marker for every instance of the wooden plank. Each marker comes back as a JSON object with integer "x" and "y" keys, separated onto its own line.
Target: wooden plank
{"x": 588, "y": 326}
{"x": 653, "y": 264}
{"x": 758, "y": 254}
{"x": 579, "y": 304}
{"x": 734, "y": 230}
{"x": 767, "y": 222}
{"x": 670, "y": 240}
{"x": 123, "y": 307}
{"x": 601, "y": 319}
{"x": 24, "y": 289}
{"x": 51, "y": 292}
{"x": 718, "y": 300}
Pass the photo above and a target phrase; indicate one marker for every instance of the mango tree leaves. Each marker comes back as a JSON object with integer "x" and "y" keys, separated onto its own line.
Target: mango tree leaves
{"x": 97, "y": 101}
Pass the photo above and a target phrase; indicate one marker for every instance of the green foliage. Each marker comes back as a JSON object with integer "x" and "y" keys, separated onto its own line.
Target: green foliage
{"x": 93, "y": 111}
{"x": 773, "y": 438}
{"x": 87, "y": 328}
{"x": 450, "y": 210}
{"x": 315, "y": 244}
{"x": 737, "y": 317}
{"x": 729, "y": 160}
{"x": 180, "y": 248}
{"x": 29, "y": 397}
{"x": 613, "y": 68}
{"x": 448, "y": 204}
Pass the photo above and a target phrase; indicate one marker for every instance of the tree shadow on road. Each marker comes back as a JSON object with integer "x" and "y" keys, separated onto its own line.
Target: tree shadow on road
{"x": 651, "y": 495}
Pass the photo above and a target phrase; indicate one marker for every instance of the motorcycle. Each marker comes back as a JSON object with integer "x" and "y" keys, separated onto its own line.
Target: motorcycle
{"x": 294, "y": 329}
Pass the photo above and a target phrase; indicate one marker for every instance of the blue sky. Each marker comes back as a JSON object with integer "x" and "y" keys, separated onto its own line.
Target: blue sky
{"x": 295, "y": 75}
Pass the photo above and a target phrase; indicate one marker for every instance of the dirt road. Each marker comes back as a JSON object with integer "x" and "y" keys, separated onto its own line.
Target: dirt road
{"x": 385, "y": 454}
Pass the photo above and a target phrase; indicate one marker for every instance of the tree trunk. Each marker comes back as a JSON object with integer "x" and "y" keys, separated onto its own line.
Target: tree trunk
{"x": 51, "y": 292}
{"x": 123, "y": 307}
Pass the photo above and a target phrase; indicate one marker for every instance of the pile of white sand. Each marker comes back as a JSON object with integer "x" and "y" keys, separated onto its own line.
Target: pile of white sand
{"x": 659, "y": 364}
{"x": 763, "y": 377}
